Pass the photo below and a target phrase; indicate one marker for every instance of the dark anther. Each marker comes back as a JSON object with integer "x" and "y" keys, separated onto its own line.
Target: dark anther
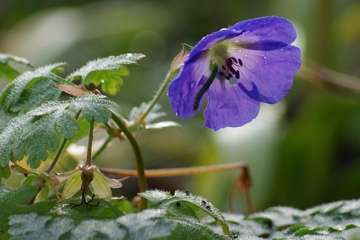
{"x": 231, "y": 63}
{"x": 178, "y": 204}
{"x": 237, "y": 75}
{"x": 208, "y": 207}
{"x": 203, "y": 202}
{"x": 187, "y": 193}
{"x": 222, "y": 74}
{"x": 205, "y": 87}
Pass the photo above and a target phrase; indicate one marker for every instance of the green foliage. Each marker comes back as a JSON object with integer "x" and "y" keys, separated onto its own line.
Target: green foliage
{"x": 106, "y": 72}
{"x": 32, "y": 88}
{"x": 39, "y": 132}
{"x": 116, "y": 219}
{"x": 166, "y": 200}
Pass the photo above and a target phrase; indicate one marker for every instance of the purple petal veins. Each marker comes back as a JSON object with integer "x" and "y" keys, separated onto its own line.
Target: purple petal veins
{"x": 255, "y": 62}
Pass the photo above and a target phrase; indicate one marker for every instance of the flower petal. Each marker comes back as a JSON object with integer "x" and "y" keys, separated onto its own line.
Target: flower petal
{"x": 229, "y": 106}
{"x": 267, "y": 76}
{"x": 184, "y": 88}
{"x": 272, "y": 28}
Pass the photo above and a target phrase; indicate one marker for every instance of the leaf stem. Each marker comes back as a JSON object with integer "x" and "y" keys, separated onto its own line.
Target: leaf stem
{"x": 157, "y": 95}
{"x": 90, "y": 141}
{"x": 61, "y": 149}
{"x": 139, "y": 160}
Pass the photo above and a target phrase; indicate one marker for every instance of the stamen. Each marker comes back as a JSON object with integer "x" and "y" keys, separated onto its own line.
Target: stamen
{"x": 232, "y": 64}
{"x": 205, "y": 87}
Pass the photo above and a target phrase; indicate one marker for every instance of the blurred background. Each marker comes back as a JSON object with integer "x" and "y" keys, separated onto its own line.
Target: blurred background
{"x": 301, "y": 152}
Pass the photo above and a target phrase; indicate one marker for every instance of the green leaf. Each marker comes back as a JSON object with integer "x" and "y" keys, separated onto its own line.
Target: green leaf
{"x": 149, "y": 224}
{"x": 167, "y": 200}
{"x": 106, "y": 72}
{"x": 8, "y": 65}
{"x": 49, "y": 229}
{"x": 39, "y": 132}
{"x": 336, "y": 221}
{"x": 156, "y": 224}
{"x": 17, "y": 202}
{"x": 20, "y": 90}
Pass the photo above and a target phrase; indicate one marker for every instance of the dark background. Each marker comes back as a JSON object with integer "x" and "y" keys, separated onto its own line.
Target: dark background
{"x": 303, "y": 151}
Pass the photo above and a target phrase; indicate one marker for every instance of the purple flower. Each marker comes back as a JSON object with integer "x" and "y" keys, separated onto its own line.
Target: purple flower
{"x": 235, "y": 69}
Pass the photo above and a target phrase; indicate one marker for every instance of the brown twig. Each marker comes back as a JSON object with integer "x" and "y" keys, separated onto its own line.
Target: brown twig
{"x": 242, "y": 182}
{"x": 174, "y": 172}
{"x": 329, "y": 78}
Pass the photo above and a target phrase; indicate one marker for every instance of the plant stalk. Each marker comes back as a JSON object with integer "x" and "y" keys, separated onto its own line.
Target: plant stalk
{"x": 139, "y": 160}
{"x": 90, "y": 141}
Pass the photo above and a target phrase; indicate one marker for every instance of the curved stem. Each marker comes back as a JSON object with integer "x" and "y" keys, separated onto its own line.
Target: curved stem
{"x": 157, "y": 95}
{"x": 61, "y": 149}
{"x": 139, "y": 160}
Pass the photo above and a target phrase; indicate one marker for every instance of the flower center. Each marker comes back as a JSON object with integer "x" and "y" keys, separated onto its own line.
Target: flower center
{"x": 229, "y": 66}
{"x": 230, "y": 70}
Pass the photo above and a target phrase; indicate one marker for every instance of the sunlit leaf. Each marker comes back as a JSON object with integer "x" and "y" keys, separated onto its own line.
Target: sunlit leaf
{"x": 39, "y": 132}
{"x": 32, "y": 88}
{"x": 106, "y": 72}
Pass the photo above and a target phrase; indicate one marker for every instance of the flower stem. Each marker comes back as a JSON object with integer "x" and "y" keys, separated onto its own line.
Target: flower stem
{"x": 157, "y": 95}
{"x": 139, "y": 160}
{"x": 103, "y": 147}
{"x": 90, "y": 141}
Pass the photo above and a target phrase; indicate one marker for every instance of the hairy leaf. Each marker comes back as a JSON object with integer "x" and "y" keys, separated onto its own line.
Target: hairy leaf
{"x": 336, "y": 221}
{"x": 168, "y": 200}
{"x": 149, "y": 224}
{"x": 39, "y": 132}
{"x": 31, "y": 88}
{"x": 106, "y": 72}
